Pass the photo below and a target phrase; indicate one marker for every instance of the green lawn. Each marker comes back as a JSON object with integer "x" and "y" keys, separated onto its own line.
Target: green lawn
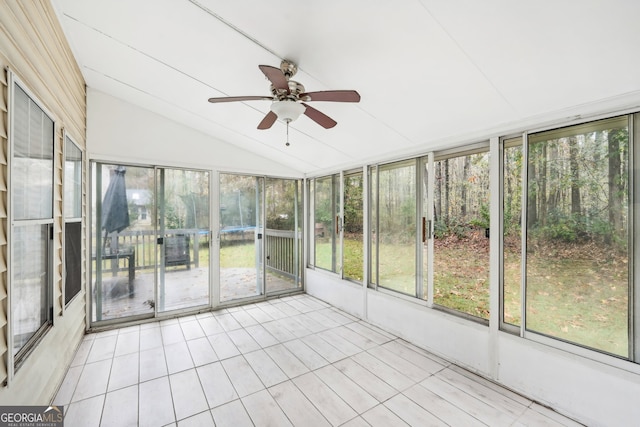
{"x": 571, "y": 298}
{"x": 238, "y": 256}
{"x": 579, "y": 300}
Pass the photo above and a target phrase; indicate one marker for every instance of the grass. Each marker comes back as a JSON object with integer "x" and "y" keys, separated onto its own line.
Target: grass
{"x": 581, "y": 297}
{"x": 578, "y": 295}
{"x": 353, "y": 256}
{"x": 238, "y": 256}
{"x": 461, "y": 275}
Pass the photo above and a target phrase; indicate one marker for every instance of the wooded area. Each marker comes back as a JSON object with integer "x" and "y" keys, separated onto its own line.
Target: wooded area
{"x": 577, "y": 234}
{"x": 461, "y": 231}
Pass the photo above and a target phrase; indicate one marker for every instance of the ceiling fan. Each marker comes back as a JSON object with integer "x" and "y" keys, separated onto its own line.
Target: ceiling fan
{"x": 289, "y": 97}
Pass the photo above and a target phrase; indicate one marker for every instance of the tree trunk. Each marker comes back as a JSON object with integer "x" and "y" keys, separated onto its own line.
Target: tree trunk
{"x": 575, "y": 176}
{"x": 542, "y": 185}
{"x": 446, "y": 191}
{"x": 614, "y": 181}
{"x": 532, "y": 196}
{"x": 438, "y": 192}
{"x": 463, "y": 190}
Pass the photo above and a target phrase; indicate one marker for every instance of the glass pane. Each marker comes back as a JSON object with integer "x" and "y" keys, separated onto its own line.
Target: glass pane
{"x": 325, "y": 225}
{"x": 373, "y": 226}
{"x": 353, "y": 239}
{"x": 282, "y": 245}
{"x": 30, "y": 280}
{"x": 184, "y": 280}
{"x": 72, "y": 260}
{"x": 123, "y": 249}
{"x": 512, "y": 236}
{"x": 397, "y": 227}
{"x": 32, "y": 163}
{"x": 72, "y": 181}
{"x": 241, "y": 236}
{"x": 577, "y": 235}
{"x": 461, "y": 229}
{"x": 424, "y": 228}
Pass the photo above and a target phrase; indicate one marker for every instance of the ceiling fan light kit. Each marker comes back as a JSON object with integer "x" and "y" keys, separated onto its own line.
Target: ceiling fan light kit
{"x": 287, "y": 110}
{"x": 289, "y": 98}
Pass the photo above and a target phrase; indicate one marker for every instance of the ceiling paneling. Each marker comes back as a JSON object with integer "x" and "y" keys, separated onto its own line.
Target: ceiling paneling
{"x": 428, "y": 71}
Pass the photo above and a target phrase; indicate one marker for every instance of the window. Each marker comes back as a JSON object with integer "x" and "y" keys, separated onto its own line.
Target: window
{"x": 353, "y": 232}
{"x": 72, "y": 220}
{"x": 327, "y": 223}
{"x": 577, "y": 235}
{"x": 511, "y": 231}
{"x": 338, "y": 235}
{"x": 31, "y": 169}
{"x": 461, "y": 234}
{"x": 393, "y": 231}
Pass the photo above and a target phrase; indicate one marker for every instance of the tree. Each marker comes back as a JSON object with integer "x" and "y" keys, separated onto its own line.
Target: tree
{"x": 446, "y": 191}
{"x": 463, "y": 190}
{"x": 532, "y": 202}
{"x": 614, "y": 181}
{"x": 575, "y": 176}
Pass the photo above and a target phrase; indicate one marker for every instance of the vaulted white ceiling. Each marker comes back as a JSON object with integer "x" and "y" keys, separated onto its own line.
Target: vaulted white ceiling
{"x": 430, "y": 72}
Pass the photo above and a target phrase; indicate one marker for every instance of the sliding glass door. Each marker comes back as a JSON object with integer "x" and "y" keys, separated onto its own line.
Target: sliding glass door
{"x": 123, "y": 248}
{"x": 256, "y": 260}
{"x": 241, "y": 237}
{"x": 283, "y": 247}
{"x": 183, "y": 249}
{"x": 150, "y": 246}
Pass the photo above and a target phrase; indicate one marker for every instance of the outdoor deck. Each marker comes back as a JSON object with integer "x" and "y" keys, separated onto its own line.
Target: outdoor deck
{"x": 184, "y": 288}
{"x": 129, "y": 261}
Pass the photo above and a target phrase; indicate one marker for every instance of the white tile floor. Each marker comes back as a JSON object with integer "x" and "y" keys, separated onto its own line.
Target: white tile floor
{"x": 289, "y": 361}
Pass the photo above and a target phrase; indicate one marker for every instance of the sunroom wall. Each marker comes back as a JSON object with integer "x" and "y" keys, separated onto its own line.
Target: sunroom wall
{"x": 122, "y": 132}
{"x": 587, "y": 390}
{"x": 34, "y": 48}
{"x": 586, "y": 385}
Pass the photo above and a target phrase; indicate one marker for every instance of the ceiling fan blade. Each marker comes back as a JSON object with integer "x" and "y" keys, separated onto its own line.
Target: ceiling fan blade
{"x": 241, "y": 98}
{"x": 275, "y": 76}
{"x": 332, "y": 95}
{"x": 268, "y": 120}
{"x": 318, "y": 117}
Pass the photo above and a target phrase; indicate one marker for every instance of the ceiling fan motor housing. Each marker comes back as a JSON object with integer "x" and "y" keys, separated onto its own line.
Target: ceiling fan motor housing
{"x": 289, "y": 68}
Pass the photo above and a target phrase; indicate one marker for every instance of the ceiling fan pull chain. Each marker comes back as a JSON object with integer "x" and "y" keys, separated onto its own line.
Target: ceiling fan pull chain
{"x": 287, "y": 144}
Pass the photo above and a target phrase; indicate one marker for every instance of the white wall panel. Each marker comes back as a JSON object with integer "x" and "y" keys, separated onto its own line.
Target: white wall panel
{"x": 587, "y": 390}
{"x": 342, "y": 294}
{"x": 590, "y": 391}
{"x": 120, "y": 131}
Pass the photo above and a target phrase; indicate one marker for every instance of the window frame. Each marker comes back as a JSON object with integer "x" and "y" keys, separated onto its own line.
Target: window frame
{"x": 466, "y": 150}
{"x": 67, "y": 139}
{"x": 336, "y": 222}
{"x": 344, "y": 176}
{"x": 374, "y": 215}
{"x": 506, "y": 142}
{"x": 582, "y": 350}
{"x": 17, "y": 358}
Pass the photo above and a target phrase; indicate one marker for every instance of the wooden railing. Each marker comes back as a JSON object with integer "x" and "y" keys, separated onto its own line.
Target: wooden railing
{"x": 144, "y": 244}
{"x": 280, "y": 248}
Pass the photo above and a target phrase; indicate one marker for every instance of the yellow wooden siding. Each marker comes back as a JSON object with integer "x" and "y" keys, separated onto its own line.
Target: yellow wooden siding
{"x": 4, "y": 330}
{"x": 33, "y": 47}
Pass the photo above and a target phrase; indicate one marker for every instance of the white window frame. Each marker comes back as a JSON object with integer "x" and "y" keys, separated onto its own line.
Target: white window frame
{"x": 17, "y": 359}
{"x": 72, "y": 219}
